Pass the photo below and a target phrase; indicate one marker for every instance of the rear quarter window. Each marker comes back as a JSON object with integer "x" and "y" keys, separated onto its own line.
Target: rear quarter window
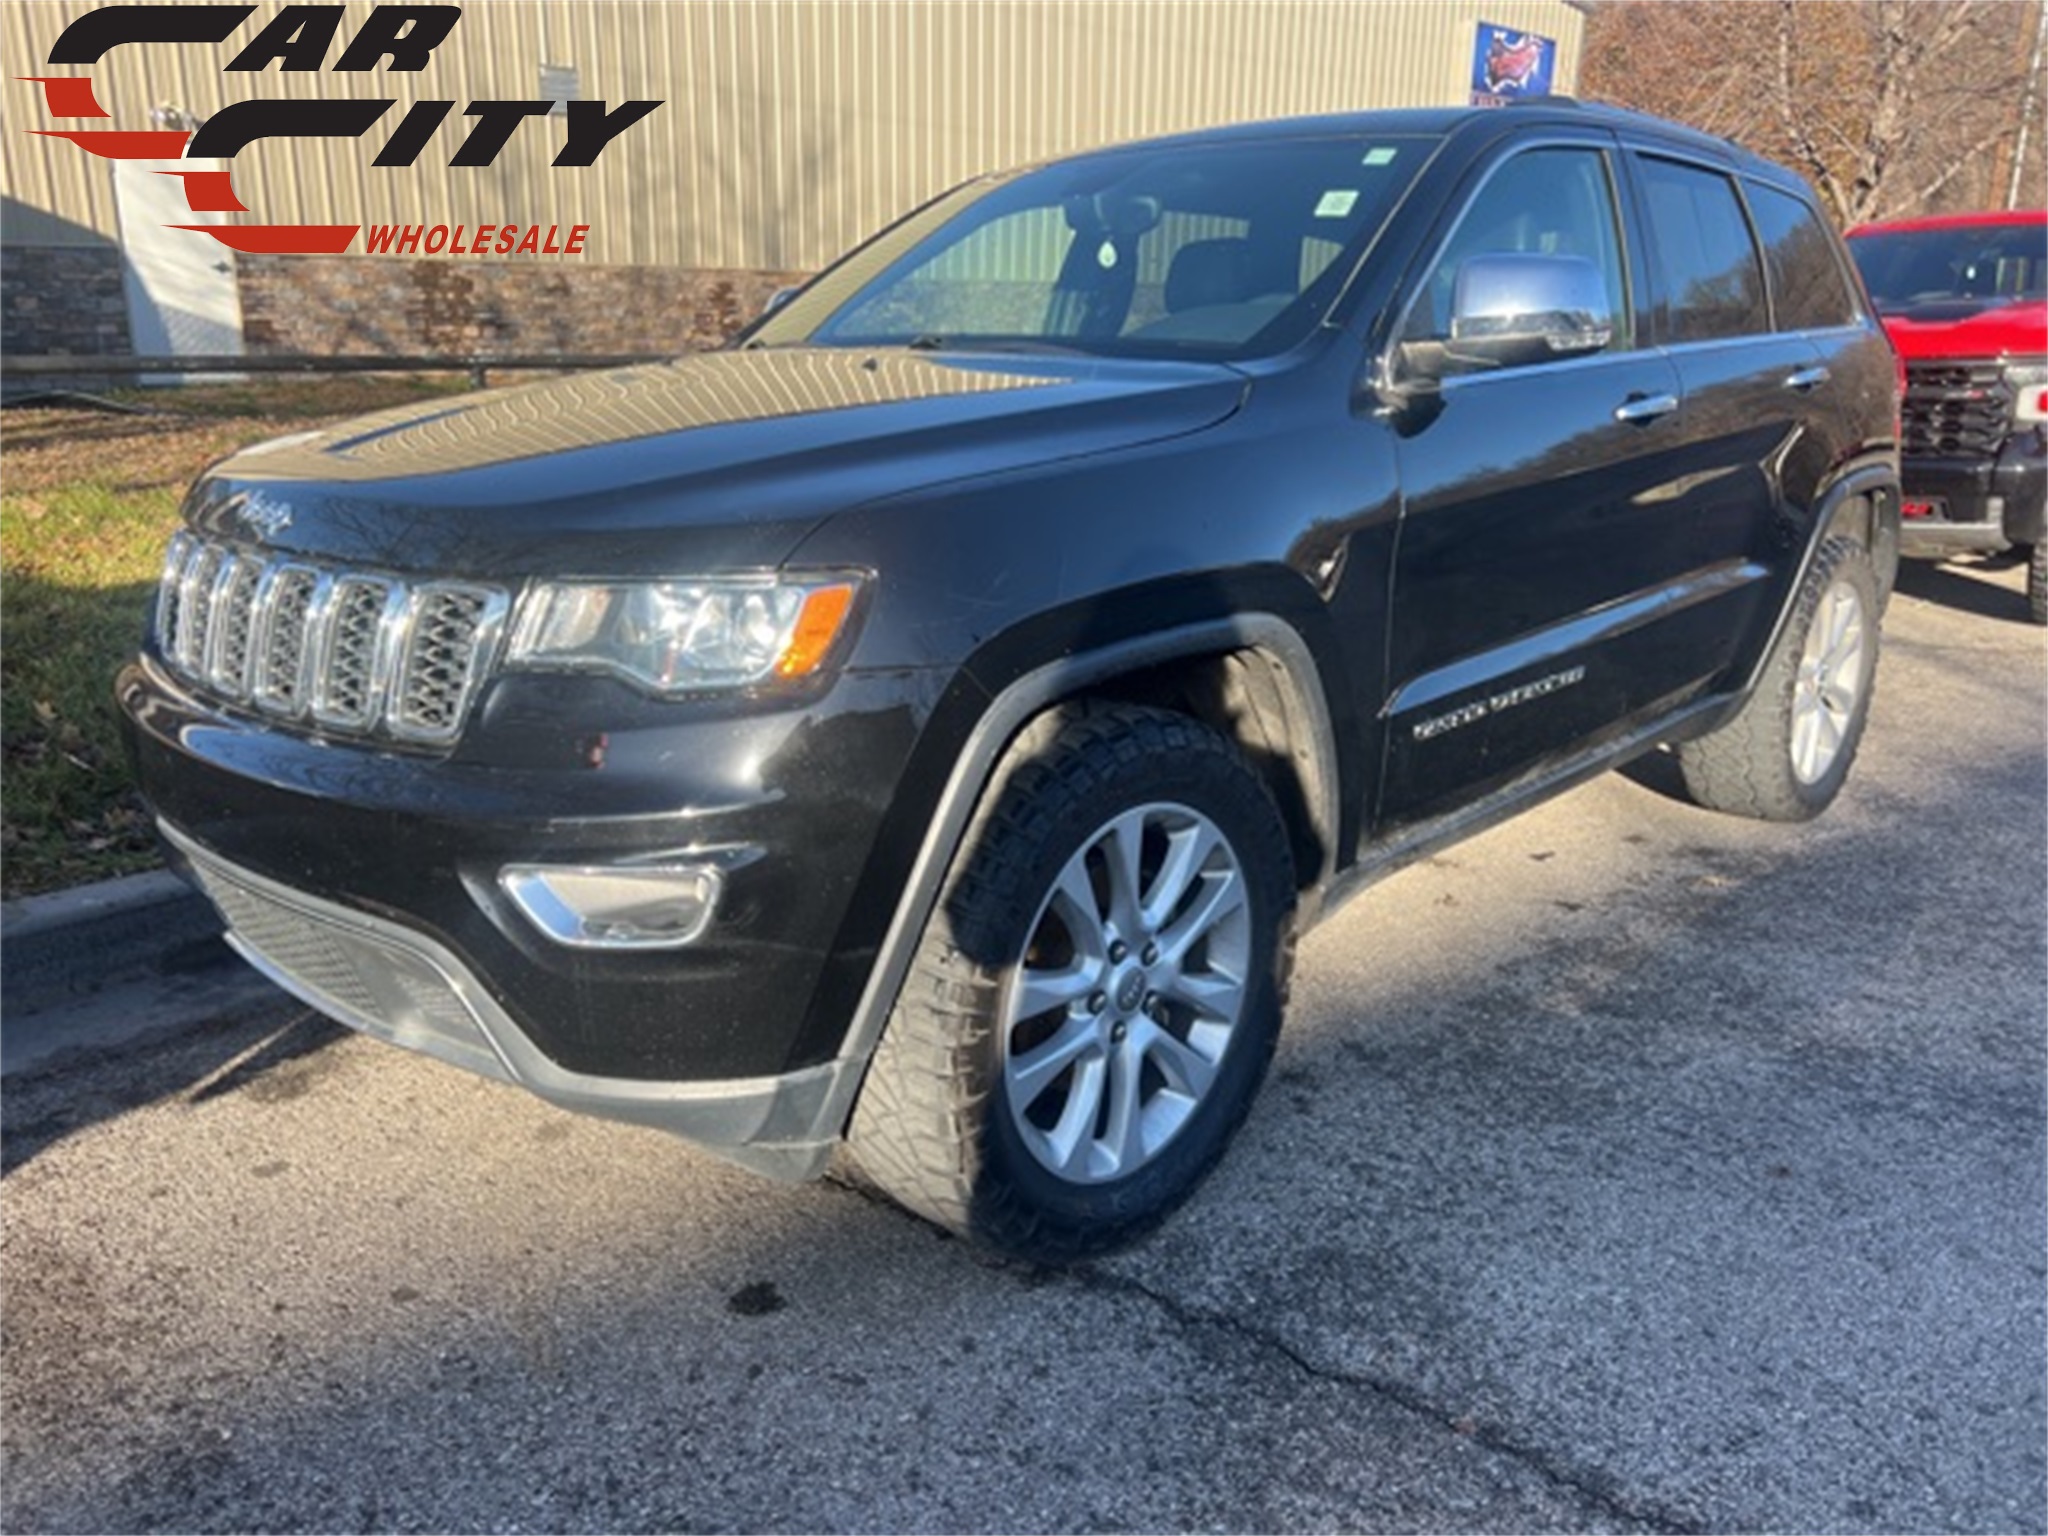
{"x": 1808, "y": 288}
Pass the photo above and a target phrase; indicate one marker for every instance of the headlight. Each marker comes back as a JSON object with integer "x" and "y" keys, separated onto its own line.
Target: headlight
{"x": 686, "y": 635}
{"x": 2029, "y": 383}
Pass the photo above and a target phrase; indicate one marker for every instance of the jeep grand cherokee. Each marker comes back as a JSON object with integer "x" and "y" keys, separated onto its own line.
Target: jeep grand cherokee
{"x": 926, "y": 725}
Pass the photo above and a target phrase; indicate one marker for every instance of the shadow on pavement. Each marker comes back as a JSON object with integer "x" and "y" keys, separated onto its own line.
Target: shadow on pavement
{"x": 1960, "y": 584}
{"x": 202, "y": 1063}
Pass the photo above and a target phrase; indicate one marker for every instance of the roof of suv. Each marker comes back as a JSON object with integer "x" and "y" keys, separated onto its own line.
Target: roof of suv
{"x": 1557, "y": 111}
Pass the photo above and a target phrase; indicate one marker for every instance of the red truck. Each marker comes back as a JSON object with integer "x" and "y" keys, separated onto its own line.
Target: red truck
{"x": 1965, "y": 299}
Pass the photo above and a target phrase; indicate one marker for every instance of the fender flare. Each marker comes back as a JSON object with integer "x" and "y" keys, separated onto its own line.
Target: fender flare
{"x": 974, "y": 772}
{"x": 1862, "y": 501}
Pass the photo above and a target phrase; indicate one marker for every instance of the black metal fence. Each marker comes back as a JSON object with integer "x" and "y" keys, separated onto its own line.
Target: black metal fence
{"x": 18, "y": 371}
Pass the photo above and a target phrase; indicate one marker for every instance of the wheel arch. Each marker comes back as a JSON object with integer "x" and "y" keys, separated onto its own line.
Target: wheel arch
{"x": 1251, "y": 675}
{"x": 1862, "y": 502}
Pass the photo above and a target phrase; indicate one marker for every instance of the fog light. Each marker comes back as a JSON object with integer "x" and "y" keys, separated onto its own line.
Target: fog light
{"x": 658, "y": 906}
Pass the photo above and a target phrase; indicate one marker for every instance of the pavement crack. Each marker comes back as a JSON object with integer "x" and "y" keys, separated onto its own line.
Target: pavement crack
{"x": 1598, "y": 1489}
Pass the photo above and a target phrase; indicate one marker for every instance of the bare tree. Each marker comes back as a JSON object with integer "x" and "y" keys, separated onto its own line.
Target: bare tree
{"x": 1890, "y": 107}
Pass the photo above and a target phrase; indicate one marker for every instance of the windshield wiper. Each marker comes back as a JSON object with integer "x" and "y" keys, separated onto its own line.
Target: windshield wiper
{"x": 932, "y": 342}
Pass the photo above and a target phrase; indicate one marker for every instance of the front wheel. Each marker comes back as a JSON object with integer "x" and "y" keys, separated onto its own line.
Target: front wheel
{"x": 1096, "y": 997}
{"x": 1787, "y": 754}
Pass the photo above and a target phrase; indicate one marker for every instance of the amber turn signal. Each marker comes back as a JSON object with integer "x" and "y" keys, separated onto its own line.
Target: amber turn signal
{"x": 817, "y": 626}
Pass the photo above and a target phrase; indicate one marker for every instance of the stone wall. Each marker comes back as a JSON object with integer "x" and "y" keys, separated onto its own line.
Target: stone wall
{"x": 62, "y": 300}
{"x": 380, "y": 304}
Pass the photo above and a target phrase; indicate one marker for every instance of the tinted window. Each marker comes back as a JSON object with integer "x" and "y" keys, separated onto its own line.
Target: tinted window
{"x": 1550, "y": 202}
{"x": 1807, "y": 285}
{"x": 1960, "y": 267}
{"x": 1709, "y": 265}
{"x": 1224, "y": 249}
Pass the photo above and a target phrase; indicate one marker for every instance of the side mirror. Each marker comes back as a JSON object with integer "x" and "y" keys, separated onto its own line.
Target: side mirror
{"x": 1509, "y": 310}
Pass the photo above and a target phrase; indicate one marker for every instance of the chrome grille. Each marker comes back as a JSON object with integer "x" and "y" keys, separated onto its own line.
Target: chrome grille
{"x": 351, "y": 677}
{"x": 442, "y": 656}
{"x": 1956, "y": 408}
{"x": 232, "y": 609}
{"x": 283, "y": 617}
{"x": 195, "y": 605}
{"x": 350, "y": 651}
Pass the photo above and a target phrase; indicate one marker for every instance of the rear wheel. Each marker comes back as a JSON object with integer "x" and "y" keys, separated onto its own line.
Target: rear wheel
{"x": 1787, "y": 754}
{"x": 1096, "y": 997}
{"x": 2037, "y": 582}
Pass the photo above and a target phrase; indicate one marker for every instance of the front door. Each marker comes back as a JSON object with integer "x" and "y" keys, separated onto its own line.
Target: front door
{"x": 1549, "y": 585}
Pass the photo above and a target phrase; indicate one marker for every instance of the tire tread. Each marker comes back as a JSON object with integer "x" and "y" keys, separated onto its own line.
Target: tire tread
{"x": 1744, "y": 768}
{"x": 916, "y": 1131}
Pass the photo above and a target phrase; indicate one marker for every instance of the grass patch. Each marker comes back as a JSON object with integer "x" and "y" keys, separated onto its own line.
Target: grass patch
{"x": 87, "y": 502}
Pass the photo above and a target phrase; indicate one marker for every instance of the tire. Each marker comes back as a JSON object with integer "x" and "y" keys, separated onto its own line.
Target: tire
{"x": 1787, "y": 754}
{"x": 2037, "y": 582}
{"x": 1000, "y": 1101}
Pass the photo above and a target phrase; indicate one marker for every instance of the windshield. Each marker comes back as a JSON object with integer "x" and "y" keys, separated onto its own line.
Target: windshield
{"x": 1219, "y": 250}
{"x": 1956, "y": 270}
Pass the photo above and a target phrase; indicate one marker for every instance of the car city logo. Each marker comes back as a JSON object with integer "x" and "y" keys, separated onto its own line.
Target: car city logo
{"x": 297, "y": 40}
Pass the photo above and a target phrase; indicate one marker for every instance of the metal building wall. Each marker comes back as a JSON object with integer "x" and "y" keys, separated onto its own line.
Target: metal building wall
{"x": 791, "y": 129}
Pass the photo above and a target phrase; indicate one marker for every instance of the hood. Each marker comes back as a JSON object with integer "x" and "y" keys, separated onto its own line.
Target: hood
{"x": 1965, "y": 329}
{"x": 717, "y": 461}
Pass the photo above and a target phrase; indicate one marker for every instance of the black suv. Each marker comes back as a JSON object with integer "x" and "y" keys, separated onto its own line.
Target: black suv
{"x": 926, "y": 725}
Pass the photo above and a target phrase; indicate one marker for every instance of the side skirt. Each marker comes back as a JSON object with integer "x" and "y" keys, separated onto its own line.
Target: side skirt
{"x": 1425, "y": 838}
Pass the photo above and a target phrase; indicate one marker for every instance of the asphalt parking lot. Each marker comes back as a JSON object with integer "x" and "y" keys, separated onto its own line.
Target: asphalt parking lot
{"x": 1629, "y": 1168}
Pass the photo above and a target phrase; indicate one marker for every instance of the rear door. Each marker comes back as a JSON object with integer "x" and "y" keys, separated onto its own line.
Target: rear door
{"x": 1759, "y": 397}
{"x": 1849, "y": 411}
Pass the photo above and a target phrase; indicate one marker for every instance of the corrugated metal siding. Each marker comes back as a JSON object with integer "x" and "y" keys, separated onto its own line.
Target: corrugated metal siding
{"x": 791, "y": 129}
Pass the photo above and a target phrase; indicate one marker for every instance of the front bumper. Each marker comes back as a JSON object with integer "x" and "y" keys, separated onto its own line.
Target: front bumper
{"x": 407, "y": 849}
{"x": 400, "y": 986}
{"x": 1972, "y": 503}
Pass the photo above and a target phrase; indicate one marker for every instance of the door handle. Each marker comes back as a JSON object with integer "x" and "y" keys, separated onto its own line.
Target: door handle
{"x": 1808, "y": 378}
{"x": 1641, "y": 408}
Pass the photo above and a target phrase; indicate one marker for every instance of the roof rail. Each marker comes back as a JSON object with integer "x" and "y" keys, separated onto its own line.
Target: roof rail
{"x": 1615, "y": 109}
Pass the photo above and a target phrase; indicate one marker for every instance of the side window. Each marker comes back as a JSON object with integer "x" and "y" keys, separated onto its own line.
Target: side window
{"x": 1807, "y": 286}
{"x": 1709, "y": 263}
{"x": 1549, "y": 202}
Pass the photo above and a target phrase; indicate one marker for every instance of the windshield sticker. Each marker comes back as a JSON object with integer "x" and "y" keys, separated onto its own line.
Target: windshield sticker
{"x": 1382, "y": 154}
{"x": 1336, "y": 204}
{"x": 1105, "y": 257}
